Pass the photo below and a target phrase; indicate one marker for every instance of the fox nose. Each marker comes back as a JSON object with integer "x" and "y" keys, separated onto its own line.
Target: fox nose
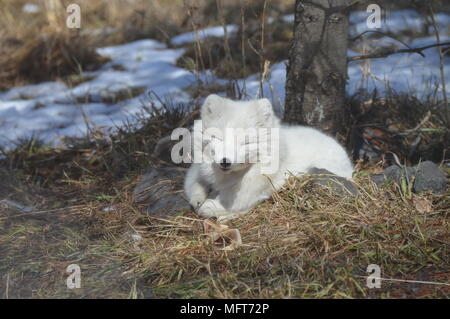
{"x": 225, "y": 163}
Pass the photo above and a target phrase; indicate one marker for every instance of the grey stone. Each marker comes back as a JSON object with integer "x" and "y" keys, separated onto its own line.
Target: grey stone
{"x": 395, "y": 172}
{"x": 427, "y": 177}
{"x": 161, "y": 189}
{"x": 163, "y": 149}
{"x": 378, "y": 179}
{"x": 339, "y": 184}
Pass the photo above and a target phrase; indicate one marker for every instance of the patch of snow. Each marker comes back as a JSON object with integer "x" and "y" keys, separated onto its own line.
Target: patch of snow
{"x": 403, "y": 73}
{"x": 100, "y": 31}
{"x": 29, "y": 92}
{"x": 290, "y": 18}
{"x": 146, "y": 68}
{"x": 51, "y": 110}
{"x": 31, "y": 8}
{"x": 202, "y": 34}
{"x": 392, "y": 21}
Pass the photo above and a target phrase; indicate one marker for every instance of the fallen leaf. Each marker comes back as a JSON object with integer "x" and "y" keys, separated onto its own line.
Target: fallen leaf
{"x": 222, "y": 236}
{"x": 422, "y": 205}
{"x": 229, "y": 239}
{"x": 209, "y": 226}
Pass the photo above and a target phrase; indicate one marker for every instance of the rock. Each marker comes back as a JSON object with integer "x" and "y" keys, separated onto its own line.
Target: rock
{"x": 378, "y": 179}
{"x": 162, "y": 190}
{"x": 339, "y": 184}
{"x": 163, "y": 149}
{"x": 428, "y": 177}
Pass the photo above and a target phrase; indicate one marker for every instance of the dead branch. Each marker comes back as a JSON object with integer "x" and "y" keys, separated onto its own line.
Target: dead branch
{"x": 388, "y": 52}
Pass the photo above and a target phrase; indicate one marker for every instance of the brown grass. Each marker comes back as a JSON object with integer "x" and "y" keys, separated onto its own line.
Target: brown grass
{"x": 414, "y": 130}
{"x": 55, "y": 55}
{"x": 304, "y": 242}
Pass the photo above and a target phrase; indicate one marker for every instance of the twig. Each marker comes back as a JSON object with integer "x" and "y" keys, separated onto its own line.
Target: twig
{"x": 388, "y": 52}
{"x": 244, "y": 58}
{"x": 227, "y": 47}
{"x": 384, "y": 34}
{"x": 7, "y": 286}
{"x": 262, "y": 61}
{"x": 441, "y": 68}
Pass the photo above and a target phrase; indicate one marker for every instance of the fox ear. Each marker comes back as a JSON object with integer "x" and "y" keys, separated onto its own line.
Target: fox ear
{"x": 265, "y": 109}
{"x": 211, "y": 104}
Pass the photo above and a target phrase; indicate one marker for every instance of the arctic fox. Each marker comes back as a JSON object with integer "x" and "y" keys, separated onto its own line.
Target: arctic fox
{"x": 227, "y": 185}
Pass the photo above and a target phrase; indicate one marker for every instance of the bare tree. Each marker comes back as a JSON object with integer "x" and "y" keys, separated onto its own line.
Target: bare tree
{"x": 317, "y": 69}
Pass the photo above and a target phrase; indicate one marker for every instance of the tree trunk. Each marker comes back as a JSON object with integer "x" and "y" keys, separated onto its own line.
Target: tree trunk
{"x": 317, "y": 69}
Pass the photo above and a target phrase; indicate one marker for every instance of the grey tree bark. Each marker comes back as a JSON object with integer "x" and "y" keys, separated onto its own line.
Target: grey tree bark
{"x": 317, "y": 68}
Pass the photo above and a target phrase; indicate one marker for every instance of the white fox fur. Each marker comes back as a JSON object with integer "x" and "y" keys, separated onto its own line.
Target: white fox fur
{"x": 212, "y": 191}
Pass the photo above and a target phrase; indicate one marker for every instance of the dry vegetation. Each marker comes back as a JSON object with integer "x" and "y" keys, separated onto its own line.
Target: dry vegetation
{"x": 305, "y": 242}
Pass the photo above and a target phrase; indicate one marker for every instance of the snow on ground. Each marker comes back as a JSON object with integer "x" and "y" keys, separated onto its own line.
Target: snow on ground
{"x": 52, "y": 110}
{"x": 202, "y": 34}
{"x": 31, "y": 8}
{"x": 402, "y": 73}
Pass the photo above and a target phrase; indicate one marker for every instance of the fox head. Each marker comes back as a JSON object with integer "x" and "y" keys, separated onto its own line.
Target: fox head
{"x": 235, "y": 134}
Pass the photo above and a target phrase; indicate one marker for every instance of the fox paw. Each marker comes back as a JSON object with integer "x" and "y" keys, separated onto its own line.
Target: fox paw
{"x": 198, "y": 198}
{"x": 197, "y": 201}
{"x": 211, "y": 208}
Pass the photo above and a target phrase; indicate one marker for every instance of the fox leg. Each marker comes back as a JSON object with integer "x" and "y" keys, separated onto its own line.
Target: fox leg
{"x": 196, "y": 191}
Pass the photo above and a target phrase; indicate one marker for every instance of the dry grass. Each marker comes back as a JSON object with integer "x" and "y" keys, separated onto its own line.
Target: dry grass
{"x": 414, "y": 130}
{"x": 44, "y": 58}
{"x": 305, "y": 242}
